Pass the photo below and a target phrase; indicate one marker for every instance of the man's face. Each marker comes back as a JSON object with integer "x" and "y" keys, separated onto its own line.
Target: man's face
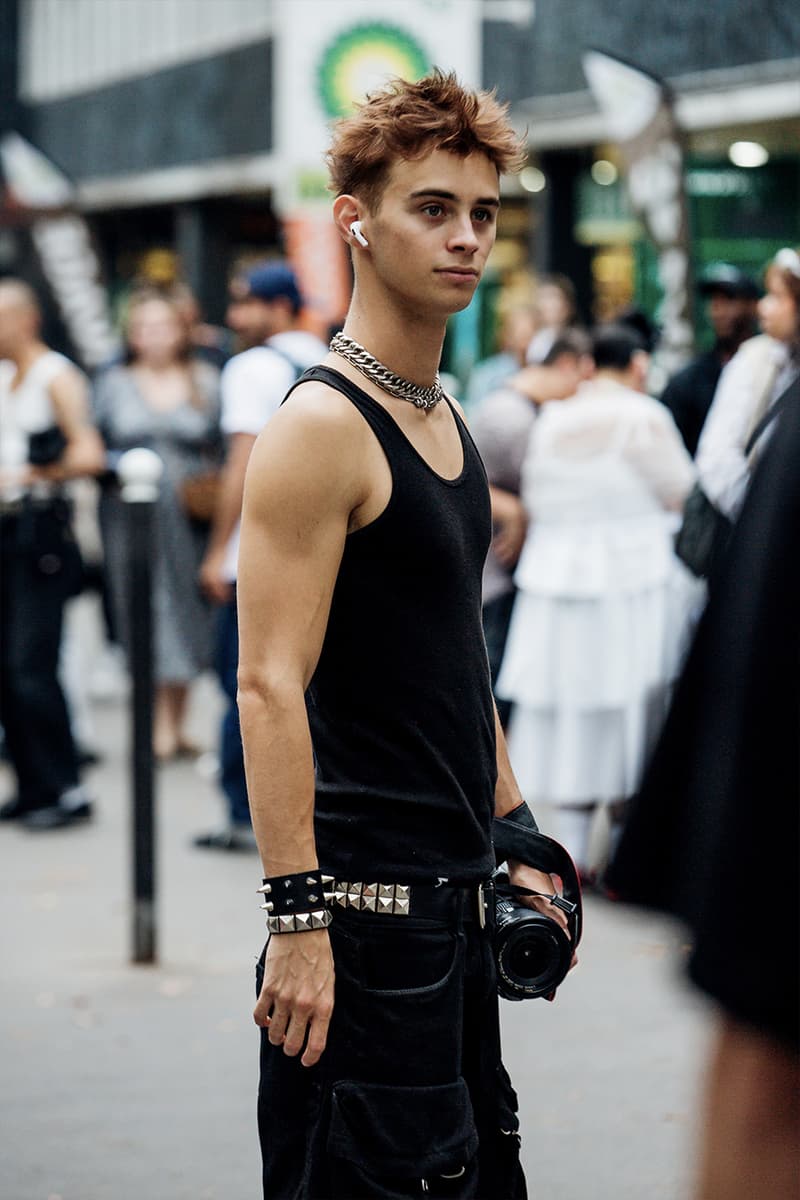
{"x": 729, "y": 315}
{"x": 253, "y": 320}
{"x": 433, "y": 229}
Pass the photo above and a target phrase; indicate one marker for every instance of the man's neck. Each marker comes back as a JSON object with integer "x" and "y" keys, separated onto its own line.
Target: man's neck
{"x": 407, "y": 342}
{"x": 622, "y": 378}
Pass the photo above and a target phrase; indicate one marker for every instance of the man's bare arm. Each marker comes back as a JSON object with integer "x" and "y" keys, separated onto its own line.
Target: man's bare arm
{"x": 229, "y": 507}
{"x": 302, "y": 487}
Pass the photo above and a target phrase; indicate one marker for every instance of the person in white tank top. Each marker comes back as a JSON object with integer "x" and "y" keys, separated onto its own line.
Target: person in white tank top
{"x": 46, "y": 438}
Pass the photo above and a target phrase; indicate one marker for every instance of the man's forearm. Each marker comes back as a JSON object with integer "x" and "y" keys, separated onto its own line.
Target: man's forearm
{"x": 507, "y": 795}
{"x": 229, "y": 505}
{"x": 280, "y": 778}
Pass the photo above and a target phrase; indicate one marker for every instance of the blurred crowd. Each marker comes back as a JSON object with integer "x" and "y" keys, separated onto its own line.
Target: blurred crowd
{"x": 588, "y": 605}
{"x": 612, "y": 513}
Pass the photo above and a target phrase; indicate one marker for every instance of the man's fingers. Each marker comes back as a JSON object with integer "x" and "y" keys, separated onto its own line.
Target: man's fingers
{"x": 295, "y": 1033}
{"x": 262, "y": 1010}
{"x": 278, "y": 1021}
{"x": 317, "y": 1038}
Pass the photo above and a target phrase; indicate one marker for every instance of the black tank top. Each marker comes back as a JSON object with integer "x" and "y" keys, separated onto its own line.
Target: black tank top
{"x": 400, "y": 705}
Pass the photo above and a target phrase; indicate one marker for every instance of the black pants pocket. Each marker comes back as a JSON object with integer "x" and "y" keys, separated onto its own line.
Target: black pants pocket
{"x": 501, "y": 1174}
{"x": 392, "y": 1143}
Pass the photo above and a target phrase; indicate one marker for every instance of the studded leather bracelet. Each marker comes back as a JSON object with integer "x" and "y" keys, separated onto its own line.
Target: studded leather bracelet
{"x": 297, "y": 903}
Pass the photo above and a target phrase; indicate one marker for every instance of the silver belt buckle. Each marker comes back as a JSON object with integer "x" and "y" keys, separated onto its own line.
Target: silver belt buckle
{"x": 481, "y": 906}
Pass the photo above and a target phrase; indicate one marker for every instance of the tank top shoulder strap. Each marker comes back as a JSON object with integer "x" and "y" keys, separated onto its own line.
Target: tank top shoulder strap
{"x": 467, "y": 440}
{"x": 383, "y": 425}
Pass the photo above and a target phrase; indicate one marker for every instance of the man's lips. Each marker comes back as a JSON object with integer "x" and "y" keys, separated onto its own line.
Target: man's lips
{"x": 466, "y": 272}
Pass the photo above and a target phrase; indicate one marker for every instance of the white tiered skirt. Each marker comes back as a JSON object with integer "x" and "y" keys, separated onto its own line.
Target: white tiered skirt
{"x": 590, "y": 677}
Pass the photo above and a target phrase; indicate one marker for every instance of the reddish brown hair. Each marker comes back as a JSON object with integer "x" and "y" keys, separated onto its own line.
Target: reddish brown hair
{"x": 407, "y": 120}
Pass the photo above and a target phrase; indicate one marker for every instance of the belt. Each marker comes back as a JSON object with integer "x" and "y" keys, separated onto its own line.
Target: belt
{"x": 434, "y": 901}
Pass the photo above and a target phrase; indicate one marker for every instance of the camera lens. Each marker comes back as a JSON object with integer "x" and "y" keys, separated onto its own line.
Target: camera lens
{"x": 530, "y": 955}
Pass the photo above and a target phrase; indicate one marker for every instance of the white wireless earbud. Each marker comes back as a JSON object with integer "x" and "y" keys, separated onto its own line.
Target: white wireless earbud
{"x": 355, "y": 229}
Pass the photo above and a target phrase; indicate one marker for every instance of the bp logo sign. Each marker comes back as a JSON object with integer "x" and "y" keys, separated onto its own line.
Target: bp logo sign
{"x": 361, "y": 58}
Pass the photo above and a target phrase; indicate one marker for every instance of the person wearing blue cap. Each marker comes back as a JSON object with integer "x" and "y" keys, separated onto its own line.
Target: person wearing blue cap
{"x": 265, "y": 305}
{"x": 732, "y": 297}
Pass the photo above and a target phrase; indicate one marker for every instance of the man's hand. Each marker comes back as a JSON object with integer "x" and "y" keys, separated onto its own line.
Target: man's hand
{"x": 213, "y": 581}
{"x": 297, "y": 993}
{"x": 523, "y": 876}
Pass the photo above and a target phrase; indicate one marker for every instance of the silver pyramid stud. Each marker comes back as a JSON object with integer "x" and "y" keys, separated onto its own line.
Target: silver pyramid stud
{"x": 369, "y": 903}
{"x": 401, "y": 907}
{"x": 402, "y": 892}
{"x": 386, "y": 889}
{"x": 302, "y": 921}
{"x": 385, "y": 904}
{"x": 286, "y": 923}
{"x": 354, "y": 899}
{"x": 370, "y": 889}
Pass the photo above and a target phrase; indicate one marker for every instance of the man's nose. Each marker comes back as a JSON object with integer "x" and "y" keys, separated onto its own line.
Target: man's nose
{"x": 463, "y": 236}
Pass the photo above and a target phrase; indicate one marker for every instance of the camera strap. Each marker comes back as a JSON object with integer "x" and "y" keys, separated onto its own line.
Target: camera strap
{"x": 556, "y": 899}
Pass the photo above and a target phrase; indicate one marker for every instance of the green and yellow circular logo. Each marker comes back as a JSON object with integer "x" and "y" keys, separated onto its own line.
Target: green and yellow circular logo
{"x": 361, "y": 59}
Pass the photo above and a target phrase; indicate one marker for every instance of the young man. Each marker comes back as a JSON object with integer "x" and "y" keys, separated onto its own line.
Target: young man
{"x": 46, "y": 438}
{"x": 732, "y": 299}
{"x": 266, "y": 303}
{"x": 366, "y": 522}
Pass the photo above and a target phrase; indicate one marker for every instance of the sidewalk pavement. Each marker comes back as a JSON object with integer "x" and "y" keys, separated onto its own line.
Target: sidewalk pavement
{"x": 126, "y": 1082}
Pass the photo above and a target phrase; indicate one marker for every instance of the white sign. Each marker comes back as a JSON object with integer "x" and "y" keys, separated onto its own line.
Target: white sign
{"x": 330, "y": 53}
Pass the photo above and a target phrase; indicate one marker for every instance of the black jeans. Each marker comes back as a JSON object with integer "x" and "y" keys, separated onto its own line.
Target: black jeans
{"x": 39, "y": 569}
{"x": 410, "y": 1097}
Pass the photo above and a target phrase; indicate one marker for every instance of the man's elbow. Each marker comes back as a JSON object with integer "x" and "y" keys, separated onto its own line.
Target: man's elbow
{"x": 264, "y": 689}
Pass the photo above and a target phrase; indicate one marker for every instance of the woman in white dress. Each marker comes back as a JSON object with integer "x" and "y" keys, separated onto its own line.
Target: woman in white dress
{"x": 603, "y": 606}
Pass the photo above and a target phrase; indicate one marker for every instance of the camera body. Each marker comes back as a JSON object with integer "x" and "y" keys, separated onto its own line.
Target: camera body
{"x": 533, "y": 953}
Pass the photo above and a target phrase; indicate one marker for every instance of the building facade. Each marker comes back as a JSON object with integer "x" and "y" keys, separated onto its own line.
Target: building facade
{"x": 178, "y": 122}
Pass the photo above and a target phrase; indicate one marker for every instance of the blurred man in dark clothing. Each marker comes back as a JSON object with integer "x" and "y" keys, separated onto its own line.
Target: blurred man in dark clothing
{"x": 732, "y": 297}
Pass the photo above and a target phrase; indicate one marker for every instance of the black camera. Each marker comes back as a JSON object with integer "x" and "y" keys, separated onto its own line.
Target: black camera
{"x": 533, "y": 952}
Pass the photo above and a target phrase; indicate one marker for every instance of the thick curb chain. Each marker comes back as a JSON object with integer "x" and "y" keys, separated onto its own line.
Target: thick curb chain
{"x": 423, "y": 397}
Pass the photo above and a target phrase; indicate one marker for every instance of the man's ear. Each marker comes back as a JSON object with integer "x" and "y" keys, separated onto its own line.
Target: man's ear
{"x": 346, "y": 209}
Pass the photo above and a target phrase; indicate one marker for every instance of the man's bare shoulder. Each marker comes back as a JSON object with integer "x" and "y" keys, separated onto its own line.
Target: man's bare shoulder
{"x": 313, "y": 443}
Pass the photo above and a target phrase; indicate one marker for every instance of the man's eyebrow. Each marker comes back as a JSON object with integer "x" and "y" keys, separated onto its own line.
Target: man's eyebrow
{"x": 440, "y": 194}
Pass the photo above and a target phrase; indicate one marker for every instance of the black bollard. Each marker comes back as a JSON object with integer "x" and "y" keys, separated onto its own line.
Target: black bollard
{"x": 139, "y": 471}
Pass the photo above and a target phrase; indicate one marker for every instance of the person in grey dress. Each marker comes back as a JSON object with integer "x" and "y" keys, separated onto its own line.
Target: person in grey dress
{"x": 163, "y": 399}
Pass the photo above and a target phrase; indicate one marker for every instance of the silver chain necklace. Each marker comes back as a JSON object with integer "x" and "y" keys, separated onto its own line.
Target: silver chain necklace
{"x": 423, "y": 397}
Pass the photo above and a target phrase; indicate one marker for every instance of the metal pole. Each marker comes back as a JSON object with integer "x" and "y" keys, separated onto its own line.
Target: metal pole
{"x": 139, "y": 472}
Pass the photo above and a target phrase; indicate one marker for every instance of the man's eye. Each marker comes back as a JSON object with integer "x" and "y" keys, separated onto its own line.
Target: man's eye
{"x": 482, "y": 214}
{"x": 433, "y": 210}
